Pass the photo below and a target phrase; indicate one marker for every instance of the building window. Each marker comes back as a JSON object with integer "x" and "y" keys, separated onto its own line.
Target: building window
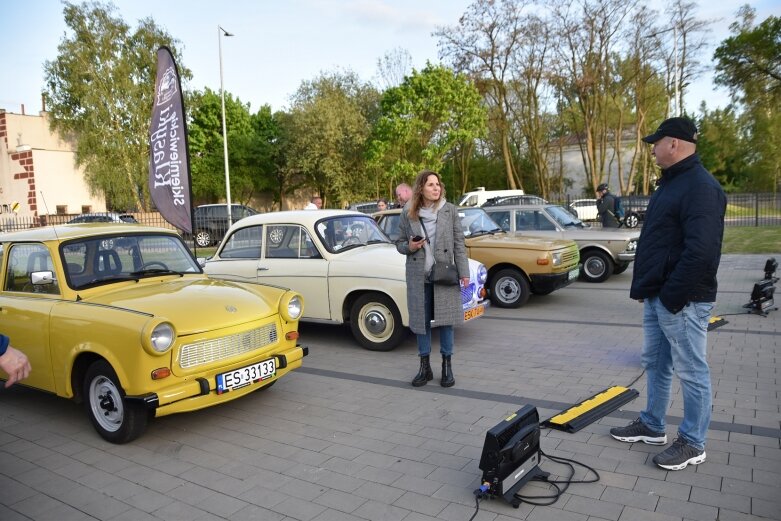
{"x": 62, "y": 209}
{"x": 86, "y": 209}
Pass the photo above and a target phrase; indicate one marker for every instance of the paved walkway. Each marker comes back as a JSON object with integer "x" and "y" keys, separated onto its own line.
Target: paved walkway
{"x": 346, "y": 437}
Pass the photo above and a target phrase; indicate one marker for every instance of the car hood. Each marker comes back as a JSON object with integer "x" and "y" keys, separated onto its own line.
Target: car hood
{"x": 373, "y": 260}
{"x": 194, "y": 304}
{"x": 506, "y": 240}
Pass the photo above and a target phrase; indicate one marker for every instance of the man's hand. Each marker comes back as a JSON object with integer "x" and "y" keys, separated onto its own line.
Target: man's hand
{"x": 15, "y": 364}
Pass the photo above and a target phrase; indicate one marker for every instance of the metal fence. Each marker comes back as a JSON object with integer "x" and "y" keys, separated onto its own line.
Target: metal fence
{"x": 751, "y": 209}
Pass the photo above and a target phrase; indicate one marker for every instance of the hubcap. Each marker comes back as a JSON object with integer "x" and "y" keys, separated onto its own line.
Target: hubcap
{"x": 509, "y": 290}
{"x": 594, "y": 267}
{"x": 375, "y": 322}
{"x": 106, "y": 403}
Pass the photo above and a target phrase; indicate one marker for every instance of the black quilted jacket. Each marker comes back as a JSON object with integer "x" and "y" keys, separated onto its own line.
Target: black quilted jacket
{"x": 680, "y": 244}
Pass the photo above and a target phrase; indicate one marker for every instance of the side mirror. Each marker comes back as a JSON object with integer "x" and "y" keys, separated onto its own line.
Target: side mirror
{"x": 40, "y": 278}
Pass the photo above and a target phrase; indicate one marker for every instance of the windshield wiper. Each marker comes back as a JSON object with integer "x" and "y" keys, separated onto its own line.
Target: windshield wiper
{"x": 156, "y": 271}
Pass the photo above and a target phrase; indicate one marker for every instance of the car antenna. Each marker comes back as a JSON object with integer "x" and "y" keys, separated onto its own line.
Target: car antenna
{"x": 54, "y": 227}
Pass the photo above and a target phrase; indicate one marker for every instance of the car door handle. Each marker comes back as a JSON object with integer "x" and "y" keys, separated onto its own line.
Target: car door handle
{"x": 263, "y": 268}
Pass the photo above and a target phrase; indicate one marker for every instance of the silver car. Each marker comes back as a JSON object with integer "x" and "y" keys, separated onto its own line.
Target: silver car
{"x": 603, "y": 252}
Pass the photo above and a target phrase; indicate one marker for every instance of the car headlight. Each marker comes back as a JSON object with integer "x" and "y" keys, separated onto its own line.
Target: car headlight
{"x": 292, "y": 307}
{"x": 160, "y": 338}
{"x": 556, "y": 259}
{"x": 482, "y": 274}
{"x": 632, "y": 246}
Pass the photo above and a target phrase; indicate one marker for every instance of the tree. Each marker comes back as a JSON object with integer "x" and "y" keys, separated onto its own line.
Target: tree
{"x": 482, "y": 44}
{"x": 425, "y": 120}
{"x": 327, "y": 132}
{"x": 100, "y": 90}
{"x": 393, "y": 67}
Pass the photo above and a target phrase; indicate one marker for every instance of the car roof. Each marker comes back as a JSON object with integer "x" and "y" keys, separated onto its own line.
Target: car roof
{"x": 308, "y": 217}
{"x": 72, "y": 231}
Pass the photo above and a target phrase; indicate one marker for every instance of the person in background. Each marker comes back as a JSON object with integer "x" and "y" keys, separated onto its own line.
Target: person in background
{"x": 13, "y": 362}
{"x": 606, "y": 207}
{"x": 403, "y": 194}
{"x": 382, "y": 204}
{"x": 674, "y": 277}
{"x": 315, "y": 203}
{"x": 430, "y": 231}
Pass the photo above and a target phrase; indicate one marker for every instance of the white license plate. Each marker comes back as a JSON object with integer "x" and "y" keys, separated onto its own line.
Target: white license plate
{"x": 246, "y": 375}
{"x": 573, "y": 274}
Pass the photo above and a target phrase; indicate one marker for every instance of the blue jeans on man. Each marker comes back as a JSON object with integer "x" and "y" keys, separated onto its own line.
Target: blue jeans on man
{"x": 446, "y": 337}
{"x": 677, "y": 341}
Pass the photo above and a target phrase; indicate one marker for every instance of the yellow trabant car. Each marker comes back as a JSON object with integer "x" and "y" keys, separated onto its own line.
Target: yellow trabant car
{"x": 121, "y": 318}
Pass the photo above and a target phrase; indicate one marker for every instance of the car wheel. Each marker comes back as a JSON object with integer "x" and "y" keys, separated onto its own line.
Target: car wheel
{"x": 597, "y": 266}
{"x": 621, "y": 267}
{"x": 203, "y": 238}
{"x": 631, "y": 220}
{"x": 376, "y": 322}
{"x": 509, "y": 289}
{"x": 115, "y": 419}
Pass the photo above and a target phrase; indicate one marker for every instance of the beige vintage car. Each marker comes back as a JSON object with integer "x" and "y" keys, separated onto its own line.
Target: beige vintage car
{"x": 603, "y": 251}
{"x": 341, "y": 262}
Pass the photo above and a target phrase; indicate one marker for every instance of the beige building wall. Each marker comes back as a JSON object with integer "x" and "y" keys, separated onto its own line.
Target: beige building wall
{"x": 33, "y": 160}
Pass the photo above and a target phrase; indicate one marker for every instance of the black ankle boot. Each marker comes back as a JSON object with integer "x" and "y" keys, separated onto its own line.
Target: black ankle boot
{"x": 447, "y": 373}
{"x": 424, "y": 373}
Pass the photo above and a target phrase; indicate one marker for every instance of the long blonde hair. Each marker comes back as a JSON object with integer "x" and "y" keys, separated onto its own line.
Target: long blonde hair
{"x": 417, "y": 192}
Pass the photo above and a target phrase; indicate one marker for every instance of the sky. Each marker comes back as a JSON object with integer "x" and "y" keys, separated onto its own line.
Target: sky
{"x": 279, "y": 44}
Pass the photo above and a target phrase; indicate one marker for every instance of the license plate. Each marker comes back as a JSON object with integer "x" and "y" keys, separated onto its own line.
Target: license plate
{"x": 474, "y": 312}
{"x": 573, "y": 274}
{"x": 246, "y": 375}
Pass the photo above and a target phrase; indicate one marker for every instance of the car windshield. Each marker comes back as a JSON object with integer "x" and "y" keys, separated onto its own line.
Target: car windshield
{"x": 345, "y": 232}
{"x": 110, "y": 258}
{"x": 564, "y": 218}
{"x": 475, "y": 221}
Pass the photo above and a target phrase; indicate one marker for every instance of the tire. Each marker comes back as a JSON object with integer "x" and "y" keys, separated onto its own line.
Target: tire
{"x": 621, "y": 267}
{"x": 375, "y": 322}
{"x": 203, "y": 238}
{"x": 115, "y": 419}
{"x": 509, "y": 289}
{"x": 597, "y": 266}
{"x": 631, "y": 220}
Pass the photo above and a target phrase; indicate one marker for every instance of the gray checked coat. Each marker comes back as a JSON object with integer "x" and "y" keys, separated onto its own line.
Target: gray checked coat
{"x": 448, "y": 309}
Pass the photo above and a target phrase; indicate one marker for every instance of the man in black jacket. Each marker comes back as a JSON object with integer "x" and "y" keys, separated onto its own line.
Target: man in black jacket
{"x": 675, "y": 276}
{"x": 606, "y": 207}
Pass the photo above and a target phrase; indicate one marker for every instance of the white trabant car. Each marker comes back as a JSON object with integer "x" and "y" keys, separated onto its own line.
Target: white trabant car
{"x": 343, "y": 264}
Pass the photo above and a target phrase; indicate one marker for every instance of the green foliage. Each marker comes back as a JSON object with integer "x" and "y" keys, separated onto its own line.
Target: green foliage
{"x": 326, "y": 135}
{"x": 423, "y": 120}
{"x": 100, "y": 91}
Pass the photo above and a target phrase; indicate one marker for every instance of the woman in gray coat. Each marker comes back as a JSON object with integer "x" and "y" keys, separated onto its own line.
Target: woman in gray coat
{"x": 430, "y": 231}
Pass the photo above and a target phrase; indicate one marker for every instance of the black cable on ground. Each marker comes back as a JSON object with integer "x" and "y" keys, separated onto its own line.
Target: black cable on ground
{"x": 555, "y": 483}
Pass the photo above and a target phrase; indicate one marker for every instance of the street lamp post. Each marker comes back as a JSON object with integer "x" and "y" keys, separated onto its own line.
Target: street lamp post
{"x": 220, "y": 33}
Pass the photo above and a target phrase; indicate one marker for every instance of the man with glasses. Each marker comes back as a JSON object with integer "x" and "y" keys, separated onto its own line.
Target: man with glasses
{"x": 675, "y": 277}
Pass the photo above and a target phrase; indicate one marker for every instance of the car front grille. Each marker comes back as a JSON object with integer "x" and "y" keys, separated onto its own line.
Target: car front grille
{"x": 569, "y": 256}
{"x": 208, "y": 351}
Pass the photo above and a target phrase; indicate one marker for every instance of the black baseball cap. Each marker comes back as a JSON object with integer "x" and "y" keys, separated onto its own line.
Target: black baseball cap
{"x": 601, "y": 187}
{"x": 679, "y": 128}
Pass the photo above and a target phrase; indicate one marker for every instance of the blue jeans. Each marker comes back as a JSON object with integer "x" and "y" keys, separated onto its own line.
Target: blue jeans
{"x": 677, "y": 341}
{"x": 445, "y": 332}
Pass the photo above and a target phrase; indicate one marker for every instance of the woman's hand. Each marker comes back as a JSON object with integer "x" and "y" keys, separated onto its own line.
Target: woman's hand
{"x": 416, "y": 245}
{"x": 464, "y": 282}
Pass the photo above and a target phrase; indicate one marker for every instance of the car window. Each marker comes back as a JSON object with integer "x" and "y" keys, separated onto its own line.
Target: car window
{"x": 390, "y": 225}
{"x": 289, "y": 241}
{"x": 532, "y": 220}
{"x": 25, "y": 259}
{"x": 243, "y": 244}
{"x": 502, "y": 219}
{"x": 345, "y": 232}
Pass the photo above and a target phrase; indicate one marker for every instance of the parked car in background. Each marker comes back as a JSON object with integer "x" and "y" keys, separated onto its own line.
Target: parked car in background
{"x": 603, "y": 251}
{"x": 514, "y": 199}
{"x": 368, "y": 207}
{"x": 634, "y": 207}
{"x": 584, "y": 209}
{"x": 104, "y": 217}
{"x": 211, "y": 221}
{"x": 481, "y": 195}
{"x": 341, "y": 262}
{"x": 136, "y": 330}
{"x": 517, "y": 266}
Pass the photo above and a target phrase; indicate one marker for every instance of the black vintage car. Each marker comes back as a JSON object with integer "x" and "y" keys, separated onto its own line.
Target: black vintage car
{"x": 634, "y": 207}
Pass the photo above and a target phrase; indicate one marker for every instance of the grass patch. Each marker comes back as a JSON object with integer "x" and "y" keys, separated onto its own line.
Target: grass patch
{"x": 752, "y": 239}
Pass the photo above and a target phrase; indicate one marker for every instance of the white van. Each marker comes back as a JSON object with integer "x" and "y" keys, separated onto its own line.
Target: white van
{"x": 481, "y": 195}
